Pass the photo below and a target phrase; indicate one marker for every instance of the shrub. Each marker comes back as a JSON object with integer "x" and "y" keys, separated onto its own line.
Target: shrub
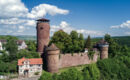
{"x": 46, "y": 76}
{"x": 91, "y": 72}
{"x": 115, "y": 68}
{"x": 71, "y": 74}
{"x": 36, "y": 73}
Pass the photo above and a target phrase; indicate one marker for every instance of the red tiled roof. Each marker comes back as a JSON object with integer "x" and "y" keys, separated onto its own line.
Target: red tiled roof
{"x": 3, "y": 41}
{"x": 19, "y": 42}
{"x": 32, "y": 61}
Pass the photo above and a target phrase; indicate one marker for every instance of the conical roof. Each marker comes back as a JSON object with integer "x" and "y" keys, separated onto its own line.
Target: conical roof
{"x": 52, "y": 47}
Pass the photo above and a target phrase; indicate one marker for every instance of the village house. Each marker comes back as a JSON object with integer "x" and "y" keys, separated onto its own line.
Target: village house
{"x": 30, "y": 67}
{"x": 1, "y": 48}
{"x": 2, "y": 41}
{"x": 21, "y": 44}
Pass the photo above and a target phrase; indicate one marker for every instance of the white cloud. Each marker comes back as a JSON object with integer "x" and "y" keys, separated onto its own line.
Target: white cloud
{"x": 67, "y": 28}
{"x": 12, "y": 8}
{"x": 127, "y": 33}
{"x": 9, "y": 31}
{"x": 21, "y": 29}
{"x": 123, "y": 25}
{"x": 15, "y": 17}
{"x": 90, "y": 32}
{"x": 16, "y": 8}
{"x": 63, "y": 25}
{"x": 30, "y": 23}
{"x": 43, "y": 9}
{"x": 12, "y": 21}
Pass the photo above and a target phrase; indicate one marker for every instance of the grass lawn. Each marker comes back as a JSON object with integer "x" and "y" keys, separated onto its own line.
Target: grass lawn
{"x": 80, "y": 67}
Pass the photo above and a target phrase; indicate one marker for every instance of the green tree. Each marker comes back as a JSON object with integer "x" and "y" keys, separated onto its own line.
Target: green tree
{"x": 124, "y": 49}
{"x": 3, "y": 67}
{"x": 55, "y": 76}
{"x": 34, "y": 54}
{"x": 12, "y": 48}
{"x": 12, "y": 67}
{"x": 91, "y": 72}
{"x": 8, "y": 37}
{"x": 88, "y": 42}
{"x": 81, "y": 42}
{"x": 114, "y": 48}
{"x": 74, "y": 35}
{"x": 24, "y": 53}
{"x": 62, "y": 41}
{"x": 46, "y": 76}
{"x": 71, "y": 74}
{"x": 77, "y": 41}
{"x": 31, "y": 45}
{"x": 114, "y": 68}
{"x": 27, "y": 54}
{"x": 4, "y": 56}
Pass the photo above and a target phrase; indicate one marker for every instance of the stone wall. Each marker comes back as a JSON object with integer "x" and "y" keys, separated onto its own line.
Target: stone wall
{"x": 68, "y": 60}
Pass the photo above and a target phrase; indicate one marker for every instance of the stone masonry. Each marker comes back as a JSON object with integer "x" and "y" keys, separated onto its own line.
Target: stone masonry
{"x": 54, "y": 60}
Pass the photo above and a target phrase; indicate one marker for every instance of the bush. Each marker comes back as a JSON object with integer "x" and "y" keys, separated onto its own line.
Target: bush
{"x": 36, "y": 73}
{"x": 46, "y": 76}
{"x": 115, "y": 68}
{"x": 71, "y": 74}
{"x": 91, "y": 72}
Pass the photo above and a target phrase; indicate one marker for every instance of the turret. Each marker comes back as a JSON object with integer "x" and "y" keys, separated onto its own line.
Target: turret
{"x": 103, "y": 46}
{"x": 43, "y": 34}
{"x": 53, "y": 58}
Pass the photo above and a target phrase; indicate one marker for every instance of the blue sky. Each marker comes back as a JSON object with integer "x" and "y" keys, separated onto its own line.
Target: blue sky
{"x": 90, "y": 17}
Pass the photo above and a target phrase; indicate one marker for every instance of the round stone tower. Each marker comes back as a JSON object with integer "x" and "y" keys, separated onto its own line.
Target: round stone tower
{"x": 43, "y": 34}
{"x": 103, "y": 50}
{"x": 53, "y": 58}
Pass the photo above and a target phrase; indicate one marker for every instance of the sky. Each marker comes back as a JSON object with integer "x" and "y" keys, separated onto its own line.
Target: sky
{"x": 89, "y": 17}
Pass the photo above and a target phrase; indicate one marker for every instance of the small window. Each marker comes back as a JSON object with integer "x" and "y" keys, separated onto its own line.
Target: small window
{"x": 20, "y": 66}
{"x": 41, "y": 27}
{"x": 31, "y": 65}
{"x": 39, "y": 65}
{"x": 20, "y": 70}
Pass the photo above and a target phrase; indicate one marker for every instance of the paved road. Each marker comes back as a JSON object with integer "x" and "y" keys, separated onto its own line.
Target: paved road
{"x": 32, "y": 78}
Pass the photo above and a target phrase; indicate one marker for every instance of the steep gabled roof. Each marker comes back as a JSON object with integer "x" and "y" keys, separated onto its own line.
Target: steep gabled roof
{"x": 32, "y": 61}
{"x": 19, "y": 42}
{"x": 3, "y": 41}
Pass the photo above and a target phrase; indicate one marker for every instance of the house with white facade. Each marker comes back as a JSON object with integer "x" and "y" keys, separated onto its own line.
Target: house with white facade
{"x": 86, "y": 50}
{"x": 2, "y": 42}
{"x": 1, "y": 48}
{"x": 21, "y": 44}
{"x": 30, "y": 67}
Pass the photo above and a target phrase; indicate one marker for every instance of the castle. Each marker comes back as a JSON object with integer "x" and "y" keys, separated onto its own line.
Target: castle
{"x": 51, "y": 54}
